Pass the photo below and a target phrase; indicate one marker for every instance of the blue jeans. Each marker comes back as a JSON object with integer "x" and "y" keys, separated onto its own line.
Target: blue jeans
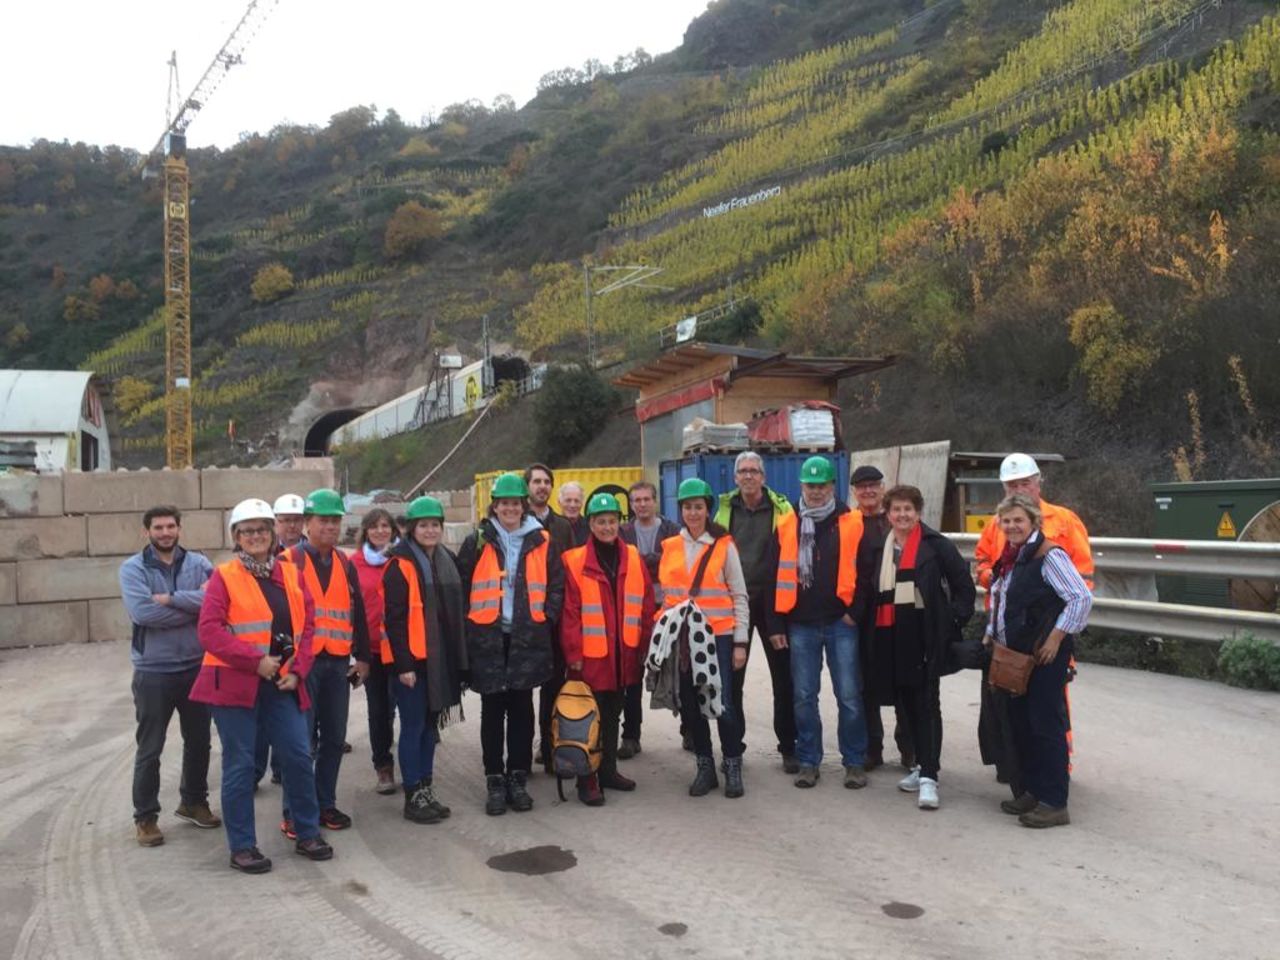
{"x": 289, "y": 734}
{"x": 330, "y": 701}
{"x": 839, "y": 640}
{"x": 417, "y": 747}
{"x": 729, "y": 725}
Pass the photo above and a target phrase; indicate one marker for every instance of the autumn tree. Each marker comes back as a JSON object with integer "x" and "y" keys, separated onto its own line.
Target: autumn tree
{"x": 271, "y": 283}
{"x": 101, "y": 288}
{"x": 409, "y": 229}
{"x": 79, "y": 310}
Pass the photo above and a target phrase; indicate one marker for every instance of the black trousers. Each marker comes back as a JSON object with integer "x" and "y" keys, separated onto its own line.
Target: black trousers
{"x": 923, "y": 714}
{"x": 547, "y": 694}
{"x": 1039, "y": 725}
{"x": 155, "y": 698}
{"x": 784, "y": 713}
{"x": 875, "y": 729}
{"x": 506, "y": 717}
{"x": 632, "y": 711}
{"x": 382, "y": 711}
{"x": 609, "y": 703}
{"x": 729, "y": 724}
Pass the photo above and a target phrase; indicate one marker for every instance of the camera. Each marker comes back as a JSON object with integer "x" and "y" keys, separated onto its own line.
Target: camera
{"x": 282, "y": 647}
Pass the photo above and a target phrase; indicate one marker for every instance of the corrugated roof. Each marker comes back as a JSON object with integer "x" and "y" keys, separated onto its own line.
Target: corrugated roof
{"x": 750, "y": 362}
{"x": 41, "y": 401}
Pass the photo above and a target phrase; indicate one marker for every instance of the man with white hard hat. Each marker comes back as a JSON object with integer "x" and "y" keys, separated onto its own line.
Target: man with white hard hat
{"x": 288, "y": 510}
{"x": 1019, "y": 473}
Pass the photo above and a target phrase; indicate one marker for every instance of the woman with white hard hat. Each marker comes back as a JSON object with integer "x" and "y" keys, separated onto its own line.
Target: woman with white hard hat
{"x": 256, "y": 627}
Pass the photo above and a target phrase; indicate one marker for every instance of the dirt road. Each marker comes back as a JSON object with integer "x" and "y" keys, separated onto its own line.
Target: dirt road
{"x": 1174, "y": 849}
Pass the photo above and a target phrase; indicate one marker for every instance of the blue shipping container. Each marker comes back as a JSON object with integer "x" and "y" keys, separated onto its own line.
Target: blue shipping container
{"x": 781, "y": 474}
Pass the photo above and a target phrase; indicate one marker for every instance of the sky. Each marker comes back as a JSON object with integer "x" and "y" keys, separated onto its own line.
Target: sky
{"x": 97, "y": 72}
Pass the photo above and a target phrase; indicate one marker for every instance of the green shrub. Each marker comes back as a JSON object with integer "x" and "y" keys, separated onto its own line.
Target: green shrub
{"x": 573, "y": 406}
{"x": 1249, "y": 661}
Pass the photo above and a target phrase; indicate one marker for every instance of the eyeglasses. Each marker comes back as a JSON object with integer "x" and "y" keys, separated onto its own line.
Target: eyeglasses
{"x": 254, "y": 532}
{"x": 750, "y": 471}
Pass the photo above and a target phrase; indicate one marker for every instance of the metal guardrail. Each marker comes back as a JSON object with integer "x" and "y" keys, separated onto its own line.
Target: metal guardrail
{"x": 1208, "y": 558}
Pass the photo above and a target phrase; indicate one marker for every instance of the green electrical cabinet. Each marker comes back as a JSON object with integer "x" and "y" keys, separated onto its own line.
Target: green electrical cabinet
{"x": 1206, "y": 510}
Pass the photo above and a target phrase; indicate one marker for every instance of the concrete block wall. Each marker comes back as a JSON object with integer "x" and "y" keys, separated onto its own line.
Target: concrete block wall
{"x": 64, "y": 536}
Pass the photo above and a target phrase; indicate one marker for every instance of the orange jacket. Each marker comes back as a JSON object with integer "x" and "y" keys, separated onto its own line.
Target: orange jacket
{"x": 335, "y": 616}
{"x": 249, "y": 614}
{"x": 714, "y": 598}
{"x": 1059, "y": 524}
{"x": 787, "y": 590}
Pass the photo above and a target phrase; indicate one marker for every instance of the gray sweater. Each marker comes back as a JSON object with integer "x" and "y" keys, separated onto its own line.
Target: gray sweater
{"x": 164, "y": 635}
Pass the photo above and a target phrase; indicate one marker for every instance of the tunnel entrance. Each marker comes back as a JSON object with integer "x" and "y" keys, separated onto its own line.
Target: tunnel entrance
{"x": 318, "y": 437}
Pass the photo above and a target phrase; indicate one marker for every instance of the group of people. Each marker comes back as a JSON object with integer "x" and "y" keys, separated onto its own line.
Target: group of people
{"x": 269, "y": 645}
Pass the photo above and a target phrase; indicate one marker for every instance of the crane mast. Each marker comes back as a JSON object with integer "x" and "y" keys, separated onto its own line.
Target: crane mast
{"x": 172, "y": 145}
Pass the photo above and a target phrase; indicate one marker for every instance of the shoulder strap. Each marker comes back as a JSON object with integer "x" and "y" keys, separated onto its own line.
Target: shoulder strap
{"x": 702, "y": 568}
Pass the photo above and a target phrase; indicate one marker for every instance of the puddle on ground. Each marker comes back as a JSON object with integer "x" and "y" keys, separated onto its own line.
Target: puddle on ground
{"x": 902, "y": 911}
{"x": 674, "y": 929}
{"x": 356, "y": 887}
{"x": 534, "y": 861}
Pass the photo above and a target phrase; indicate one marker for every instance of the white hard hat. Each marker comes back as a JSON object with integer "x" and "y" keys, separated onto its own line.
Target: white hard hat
{"x": 251, "y": 509}
{"x": 290, "y": 503}
{"x": 1017, "y": 466}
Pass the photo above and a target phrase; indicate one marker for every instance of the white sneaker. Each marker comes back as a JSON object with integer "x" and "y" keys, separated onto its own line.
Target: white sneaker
{"x": 928, "y": 799}
{"x": 911, "y": 782}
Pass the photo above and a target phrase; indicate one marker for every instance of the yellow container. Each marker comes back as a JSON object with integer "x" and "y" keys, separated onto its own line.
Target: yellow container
{"x": 589, "y": 477}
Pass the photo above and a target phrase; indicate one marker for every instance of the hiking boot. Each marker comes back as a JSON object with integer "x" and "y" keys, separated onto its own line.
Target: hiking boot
{"x": 807, "y": 777}
{"x": 334, "y": 819}
{"x": 927, "y": 798}
{"x": 628, "y": 748}
{"x": 429, "y": 795}
{"x": 613, "y": 780}
{"x": 855, "y": 777}
{"x": 686, "y": 742}
{"x": 517, "y": 793}
{"x": 287, "y": 828}
{"x": 198, "y": 814}
{"x": 704, "y": 780}
{"x": 874, "y": 759}
{"x": 313, "y": 848}
{"x": 386, "y": 784}
{"x": 417, "y": 808}
{"x": 1017, "y": 807}
{"x": 911, "y": 782}
{"x": 790, "y": 765}
{"x": 589, "y": 791}
{"x": 733, "y": 786}
{"x": 1043, "y": 815}
{"x": 148, "y": 832}
{"x": 495, "y": 801}
{"x": 250, "y": 860}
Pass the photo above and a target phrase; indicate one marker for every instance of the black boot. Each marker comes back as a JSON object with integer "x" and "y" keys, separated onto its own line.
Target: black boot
{"x": 733, "y": 787}
{"x": 705, "y": 781}
{"x": 432, "y": 801}
{"x": 517, "y": 795}
{"x": 416, "y": 807}
{"x": 495, "y": 802}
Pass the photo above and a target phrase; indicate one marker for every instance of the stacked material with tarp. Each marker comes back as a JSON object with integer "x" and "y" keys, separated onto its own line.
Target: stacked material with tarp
{"x": 703, "y": 436}
{"x": 808, "y": 425}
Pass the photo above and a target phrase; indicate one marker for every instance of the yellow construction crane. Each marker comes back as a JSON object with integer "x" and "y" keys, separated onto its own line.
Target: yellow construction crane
{"x": 172, "y": 146}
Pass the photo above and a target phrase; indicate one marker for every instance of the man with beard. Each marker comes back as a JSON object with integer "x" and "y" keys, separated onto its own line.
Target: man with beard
{"x": 162, "y": 588}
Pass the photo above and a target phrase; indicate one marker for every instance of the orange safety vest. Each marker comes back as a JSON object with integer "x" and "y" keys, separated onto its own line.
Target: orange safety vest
{"x": 787, "y": 590}
{"x": 249, "y": 614}
{"x": 417, "y": 616}
{"x": 486, "y": 584}
{"x": 595, "y": 636}
{"x": 714, "y": 598}
{"x": 334, "y": 616}
{"x": 1058, "y": 524}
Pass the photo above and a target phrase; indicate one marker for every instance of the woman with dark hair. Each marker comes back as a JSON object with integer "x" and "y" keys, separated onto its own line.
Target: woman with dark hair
{"x": 377, "y": 535}
{"x": 425, "y": 650}
{"x": 514, "y": 580}
{"x": 1039, "y": 603}
{"x": 913, "y": 598}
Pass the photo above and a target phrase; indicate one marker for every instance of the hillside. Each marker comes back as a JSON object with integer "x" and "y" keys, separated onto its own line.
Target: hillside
{"x": 1065, "y": 215}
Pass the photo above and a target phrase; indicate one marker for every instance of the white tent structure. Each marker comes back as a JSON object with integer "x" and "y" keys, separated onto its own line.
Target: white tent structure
{"x": 63, "y": 412}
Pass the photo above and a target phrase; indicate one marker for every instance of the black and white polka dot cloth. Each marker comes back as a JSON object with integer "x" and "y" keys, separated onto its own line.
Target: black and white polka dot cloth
{"x": 705, "y": 665}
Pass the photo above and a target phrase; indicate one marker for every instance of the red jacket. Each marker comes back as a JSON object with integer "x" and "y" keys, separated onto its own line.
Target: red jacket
{"x": 237, "y": 685}
{"x": 624, "y": 665}
{"x": 371, "y": 590}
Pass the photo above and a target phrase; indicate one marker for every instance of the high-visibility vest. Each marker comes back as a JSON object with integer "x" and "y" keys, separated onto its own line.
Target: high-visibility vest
{"x": 595, "y": 636}
{"x": 335, "y": 618}
{"x": 486, "y": 583}
{"x": 714, "y": 598}
{"x": 1058, "y": 524}
{"x": 249, "y": 614}
{"x": 849, "y": 526}
{"x": 417, "y": 615}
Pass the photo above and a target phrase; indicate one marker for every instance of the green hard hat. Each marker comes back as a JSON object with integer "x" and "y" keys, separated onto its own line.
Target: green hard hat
{"x": 324, "y": 503}
{"x": 425, "y": 508}
{"x": 509, "y": 485}
{"x": 817, "y": 470}
{"x": 602, "y": 503}
{"x": 693, "y": 488}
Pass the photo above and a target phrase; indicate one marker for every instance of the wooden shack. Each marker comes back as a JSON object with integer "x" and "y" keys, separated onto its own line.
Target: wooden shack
{"x": 725, "y": 384}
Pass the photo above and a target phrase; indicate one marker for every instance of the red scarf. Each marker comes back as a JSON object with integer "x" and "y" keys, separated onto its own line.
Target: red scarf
{"x": 886, "y": 615}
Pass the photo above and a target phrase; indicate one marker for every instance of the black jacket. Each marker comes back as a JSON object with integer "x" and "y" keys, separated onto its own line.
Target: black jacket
{"x": 527, "y": 661}
{"x": 942, "y": 577}
{"x": 651, "y": 560}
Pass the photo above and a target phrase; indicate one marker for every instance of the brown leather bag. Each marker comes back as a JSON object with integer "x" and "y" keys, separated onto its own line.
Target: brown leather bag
{"x": 1010, "y": 670}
